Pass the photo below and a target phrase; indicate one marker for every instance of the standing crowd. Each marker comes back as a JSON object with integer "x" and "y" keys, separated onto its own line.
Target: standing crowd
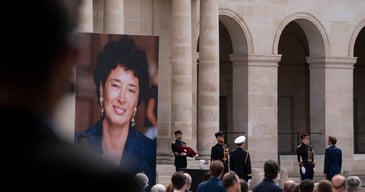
{"x": 231, "y": 170}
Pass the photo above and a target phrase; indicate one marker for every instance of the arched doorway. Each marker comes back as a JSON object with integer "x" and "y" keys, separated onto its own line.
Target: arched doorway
{"x": 359, "y": 93}
{"x": 303, "y": 44}
{"x": 234, "y": 47}
{"x": 293, "y": 88}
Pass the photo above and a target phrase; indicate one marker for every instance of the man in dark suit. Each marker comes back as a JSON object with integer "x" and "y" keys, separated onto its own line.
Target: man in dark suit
{"x": 240, "y": 160}
{"x": 271, "y": 170}
{"x": 332, "y": 159}
{"x": 180, "y": 157}
{"x": 40, "y": 62}
{"x": 213, "y": 184}
{"x": 220, "y": 151}
{"x": 305, "y": 156}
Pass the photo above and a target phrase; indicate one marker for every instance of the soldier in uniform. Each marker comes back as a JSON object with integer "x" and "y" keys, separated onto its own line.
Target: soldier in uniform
{"x": 305, "y": 155}
{"x": 180, "y": 157}
{"x": 220, "y": 151}
{"x": 240, "y": 160}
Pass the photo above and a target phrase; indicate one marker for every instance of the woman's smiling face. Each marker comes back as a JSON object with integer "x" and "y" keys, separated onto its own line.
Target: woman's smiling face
{"x": 120, "y": 94}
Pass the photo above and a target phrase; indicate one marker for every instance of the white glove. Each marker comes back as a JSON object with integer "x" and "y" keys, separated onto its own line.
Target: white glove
{"x": 303, "y": 170}
{"x": 314, "y": 169}
{"x": 183, "y": 154}
{"x": 249, "y": 182}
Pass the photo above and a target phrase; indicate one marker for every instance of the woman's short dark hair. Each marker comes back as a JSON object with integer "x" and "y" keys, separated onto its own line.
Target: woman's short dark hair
{"x": 124, "y": 53}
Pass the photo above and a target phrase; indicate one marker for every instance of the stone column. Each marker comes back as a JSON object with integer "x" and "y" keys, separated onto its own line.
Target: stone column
{"x": 317, "y": 102}
{"x": 331, "y": 102}
{"x": 113, "y": 16}
{"x": 181, "y": 69}
{"x": 240, "y": 97}
{"x": 98, "y": 16}
{"x": 208, "y": 89}
{"x": 86, "y": 17}
{"x": 262, "y": 133}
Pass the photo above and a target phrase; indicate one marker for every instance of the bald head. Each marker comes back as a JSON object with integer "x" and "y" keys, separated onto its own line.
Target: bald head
{"x": 188, "y": 180}
{"x": 288, "y": 185}
{"x": 339, "y": 182}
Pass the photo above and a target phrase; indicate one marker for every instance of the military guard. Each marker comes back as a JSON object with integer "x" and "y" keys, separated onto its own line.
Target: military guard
{"x": 220, "y": 151}
{"x": 305, "y": 155}
{"x": 240, "y": 160}
{"x": 180, "y": 157}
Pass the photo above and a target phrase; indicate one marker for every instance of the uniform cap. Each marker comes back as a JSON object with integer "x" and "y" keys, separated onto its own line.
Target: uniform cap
{"x": 240, "y": 139}
{"x": 219, "y": 133}
{"x": 178, "y": 132}
{"x": 302, "y": 135}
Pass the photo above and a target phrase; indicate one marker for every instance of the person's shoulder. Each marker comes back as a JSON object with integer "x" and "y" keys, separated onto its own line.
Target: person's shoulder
{"x": 233, "y": 151}
{"x": 139, "y": 139}
{"x": 203, "y": 183}
{"x": 90, "y": 135}
{"x": 278, "y": 188}
{"x": 214, "y": 146}
{"x": 93, "y": 130}
{"x": 335, "y": 146}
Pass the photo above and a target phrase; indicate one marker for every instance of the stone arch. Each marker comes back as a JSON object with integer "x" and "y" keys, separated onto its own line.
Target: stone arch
{"x": 313, "y": 29}
{"x": 354, "y": 36}
{"x": 356, "y": 51}
{"x": 238, "y": 30}
{"x": 234, "y": 74}
{"x": 312, "y": 81}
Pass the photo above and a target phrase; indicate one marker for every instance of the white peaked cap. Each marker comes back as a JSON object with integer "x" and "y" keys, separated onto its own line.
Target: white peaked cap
{"x": 240, "y": 139}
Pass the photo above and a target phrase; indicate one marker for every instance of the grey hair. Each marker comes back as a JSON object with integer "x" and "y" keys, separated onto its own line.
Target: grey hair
{"x": 158, "y": 188}
{"x": 353, "y": 183}
{"x": 142, "y": 179}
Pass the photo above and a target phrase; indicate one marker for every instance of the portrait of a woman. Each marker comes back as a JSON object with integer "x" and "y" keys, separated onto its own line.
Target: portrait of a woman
{"x": 121, "y": 79}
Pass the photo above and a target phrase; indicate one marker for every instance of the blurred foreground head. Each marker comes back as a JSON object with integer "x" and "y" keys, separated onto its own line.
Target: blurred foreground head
{"x": 41, "y": 52}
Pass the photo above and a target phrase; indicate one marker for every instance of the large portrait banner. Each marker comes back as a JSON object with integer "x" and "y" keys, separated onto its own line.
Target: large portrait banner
{"x": 116, "y": 100}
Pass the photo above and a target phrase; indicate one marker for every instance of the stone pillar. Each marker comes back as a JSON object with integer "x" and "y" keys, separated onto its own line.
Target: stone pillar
{"x": 240, "y": 97}
{"x": 86, "y": 17}
{"x": 317, "y": 84}
{"x": 331, "y": 102}
{"x": 113, "y": 16}
{"x": 98, "y": 16}
{"x": 262, "y": 133}
{"x": 208, "y": 89}
{"x": 181, "y": 69}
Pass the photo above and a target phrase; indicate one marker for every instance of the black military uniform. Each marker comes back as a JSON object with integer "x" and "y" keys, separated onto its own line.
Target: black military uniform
{"x": 180, "y": 158}
{"x": 217, "y": 152}
{"x": 240, "y": 160}
{"x": 305, "y": 155}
